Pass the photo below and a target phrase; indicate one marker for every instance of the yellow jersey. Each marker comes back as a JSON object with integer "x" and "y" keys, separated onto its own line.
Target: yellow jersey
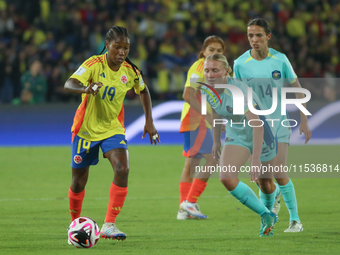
{"x": 97, "y": 117}
{"x": 190, "y": 119}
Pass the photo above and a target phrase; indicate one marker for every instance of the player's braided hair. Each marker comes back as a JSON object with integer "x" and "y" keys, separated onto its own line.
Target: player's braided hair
{"x": 114, "y": 33}
{"x": 261, "y": 23}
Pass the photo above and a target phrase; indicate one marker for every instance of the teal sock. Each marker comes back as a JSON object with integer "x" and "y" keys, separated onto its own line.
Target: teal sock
{"x": 246, "y": 196}
{"x": 269, "y": 199}
{"x": 288, "y": 194}
{"x": 277, "y": 191}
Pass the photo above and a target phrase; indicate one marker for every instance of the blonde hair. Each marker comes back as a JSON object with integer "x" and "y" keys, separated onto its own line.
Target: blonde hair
{"x": 222, "y": 59}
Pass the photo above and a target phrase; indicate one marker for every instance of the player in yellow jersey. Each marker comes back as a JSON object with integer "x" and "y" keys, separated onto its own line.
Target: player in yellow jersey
{"x": 198, "y": 138}
{"x": 103, "y": 81}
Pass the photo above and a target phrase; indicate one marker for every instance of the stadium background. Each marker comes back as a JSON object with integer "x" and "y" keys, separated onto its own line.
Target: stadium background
{"x": 166, "y": 36}
{"x": 165, "y": 39}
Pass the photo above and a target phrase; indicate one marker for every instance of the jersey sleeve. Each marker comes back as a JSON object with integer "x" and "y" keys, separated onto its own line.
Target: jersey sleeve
{"x": 85, "y": 72}
{"x": 195, "y": 74}
{"x": 288, "y": 70}
{"x": 139, "y": 85}
{"x": 236, "y": 70}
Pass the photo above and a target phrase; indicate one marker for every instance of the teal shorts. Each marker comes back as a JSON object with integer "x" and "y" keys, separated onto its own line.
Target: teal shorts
{"x": 283, "y": 139}
{"x": 283, "y": 134}
{"x": 268, "y": 151}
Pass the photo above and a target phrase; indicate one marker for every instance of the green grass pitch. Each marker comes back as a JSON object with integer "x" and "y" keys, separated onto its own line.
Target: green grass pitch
{"x": 34, "y": 212}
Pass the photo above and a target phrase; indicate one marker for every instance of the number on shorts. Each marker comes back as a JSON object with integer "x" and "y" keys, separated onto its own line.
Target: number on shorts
{"x": 86, "y": 145}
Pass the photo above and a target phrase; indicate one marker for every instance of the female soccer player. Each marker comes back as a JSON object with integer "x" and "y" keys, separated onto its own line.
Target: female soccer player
{"x": 242, "y": 139}
{"x": 198, "y": 139}
{"x": 103, "y": 81}
{"x": 263, "y": 68}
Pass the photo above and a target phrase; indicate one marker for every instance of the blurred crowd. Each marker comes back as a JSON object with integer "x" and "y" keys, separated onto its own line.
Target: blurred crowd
{"x": 42, "y": 42}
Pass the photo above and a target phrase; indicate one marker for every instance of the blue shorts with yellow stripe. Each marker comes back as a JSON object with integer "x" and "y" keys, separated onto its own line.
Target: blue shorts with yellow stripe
{"x": 85, "y": 153}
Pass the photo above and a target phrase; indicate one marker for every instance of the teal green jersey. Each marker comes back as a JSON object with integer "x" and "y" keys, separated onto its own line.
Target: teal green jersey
{"x": 238, "y": 125}
{"x": 263, "y": 76}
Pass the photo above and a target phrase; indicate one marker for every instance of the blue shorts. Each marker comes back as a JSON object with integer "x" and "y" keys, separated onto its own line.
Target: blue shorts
{"x": 198, "y": 142}
{"x": 85, "y": 153}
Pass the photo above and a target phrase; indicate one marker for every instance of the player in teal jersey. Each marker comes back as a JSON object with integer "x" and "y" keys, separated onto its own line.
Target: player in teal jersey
{"x": 264, "y": 68}
{"x": 241, "y": 140}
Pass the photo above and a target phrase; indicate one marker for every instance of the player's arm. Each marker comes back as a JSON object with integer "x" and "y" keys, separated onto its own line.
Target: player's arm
{"x": 217, "y": 131}
{"x": 289, "y": 72}
{"x": 236, "y": 73}
{"x": 147, "y": 107}
{"x": 304, "y": 128}
{"x": 75, "y": 86}
{"x": 189, "y": 97}
{"x": 257, "y": 146}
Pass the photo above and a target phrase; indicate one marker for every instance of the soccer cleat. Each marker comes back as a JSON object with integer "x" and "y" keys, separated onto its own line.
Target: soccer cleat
{"x": 277, "y": 206}
{"x": 267, "y": 224}
{"x": 271, "y": 233}
{"x": 110, "y": 231}
{"x": 294, "y": 226}
{"x": 193, "y": 209}
{"x": 183, "y": 215}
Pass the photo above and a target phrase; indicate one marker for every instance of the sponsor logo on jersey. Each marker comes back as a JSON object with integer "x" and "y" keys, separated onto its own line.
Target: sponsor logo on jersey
{"x": 123, "y": 79}
{"x": 276, "y": 75}
{"x": 229, "y": 139}
{"x": 122, "y": 142}
{"x": 229, "y": 109}
{"x": 102, "y": 75}
{"x": 77, "y": 159}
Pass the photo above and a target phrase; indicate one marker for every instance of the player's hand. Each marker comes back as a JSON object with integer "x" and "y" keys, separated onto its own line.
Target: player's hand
{"x": 93, "y": 88}
{"x": 216, "y": 150}
{"x": 304, "y": 128}
{"x": 255, "y": 169}
{"x": 209, "y": 118}
{"x": 153, "y": 134}
{"x": 223, "y": 128}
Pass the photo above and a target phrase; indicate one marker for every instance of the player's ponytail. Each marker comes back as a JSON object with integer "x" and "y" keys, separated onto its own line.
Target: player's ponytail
{"x": 135, "y": 68}
{"x": 102, "y": 50}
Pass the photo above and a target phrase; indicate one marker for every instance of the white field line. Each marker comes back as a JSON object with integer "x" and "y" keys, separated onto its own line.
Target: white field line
{"x": 96, "y": 198}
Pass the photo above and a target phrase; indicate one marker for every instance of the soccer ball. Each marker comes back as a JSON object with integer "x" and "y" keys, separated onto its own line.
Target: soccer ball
{"x": 83, "y": 232}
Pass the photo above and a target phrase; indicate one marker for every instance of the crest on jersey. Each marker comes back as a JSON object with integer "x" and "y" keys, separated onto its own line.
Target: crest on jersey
{"x": 123, "y": 79}
{"x": 77, "y": 159}
{"x": 276, "y": 75}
